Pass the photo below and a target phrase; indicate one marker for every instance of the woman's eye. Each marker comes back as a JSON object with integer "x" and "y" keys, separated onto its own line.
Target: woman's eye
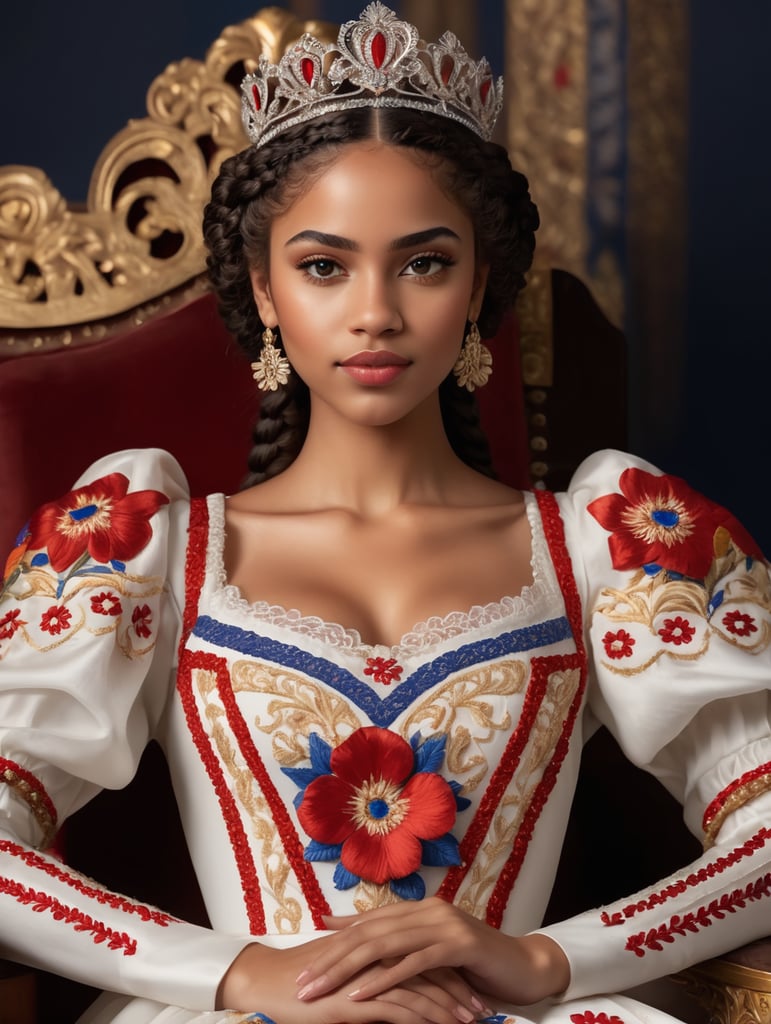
{"x": 321, "y": 269}
{"x": 426, "y": 266}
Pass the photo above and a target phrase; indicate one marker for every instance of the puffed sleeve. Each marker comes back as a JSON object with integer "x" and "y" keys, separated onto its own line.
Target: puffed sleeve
{"x": 677, "y": 609}
{"x": 89, "y": 625}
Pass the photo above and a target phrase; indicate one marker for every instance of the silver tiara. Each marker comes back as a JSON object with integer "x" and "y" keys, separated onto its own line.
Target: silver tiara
{"x": 377, "y": 61}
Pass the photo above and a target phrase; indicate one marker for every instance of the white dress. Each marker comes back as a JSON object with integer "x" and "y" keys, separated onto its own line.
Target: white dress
{"x": 650, "y": 612}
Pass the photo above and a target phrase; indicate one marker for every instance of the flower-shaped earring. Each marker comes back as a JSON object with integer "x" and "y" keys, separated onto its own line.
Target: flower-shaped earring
{"x": 475, "y": 363}
{"x": 272, "y": 368}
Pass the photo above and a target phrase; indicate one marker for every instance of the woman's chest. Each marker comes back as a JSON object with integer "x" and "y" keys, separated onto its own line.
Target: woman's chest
{"x": 371, "y": 773}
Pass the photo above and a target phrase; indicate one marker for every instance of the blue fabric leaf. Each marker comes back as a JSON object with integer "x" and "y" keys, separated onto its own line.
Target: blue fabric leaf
{"x": 345, "y": 879}
{"x": 430, "y": 755}
{"x": 411, "y": 887}
{"x": 441, "y": 852}
{"x": 301, "y": 777}
{"x": 118, "y": 566}
{"x": 715, "y": 602}
{"x": 322, "y": 851}
{"x": 40, "y": 559}
{"x": 461, "y": 802}
{"x": 60, "y": 588}
{"x": 651, "y": 569}
{"x": 22, "y": 535}
{"x": 320, "y": 753}
{"x": 89, "y": 569}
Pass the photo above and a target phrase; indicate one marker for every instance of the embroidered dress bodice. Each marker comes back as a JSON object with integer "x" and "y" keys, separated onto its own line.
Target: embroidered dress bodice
{"x": 316, "y": 773}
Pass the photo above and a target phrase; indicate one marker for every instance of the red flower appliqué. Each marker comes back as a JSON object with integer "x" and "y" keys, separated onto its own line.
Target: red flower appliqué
{"x": 618, "y": 644}
{"x": 659, "y": 522}
{"x": 589, "y": 1017}
{"x": 55, "y": 620}
{"x": 739, "y": 623}
{"x": 10, "y": 622}
{"x": 106, "y": 604}
{"x": 383, "y": 670}
{"x": 141, "y": 618}
{"x": 677, "y": 631}
{"x": 377, "y": 803}
{"x": 101, "y": 520}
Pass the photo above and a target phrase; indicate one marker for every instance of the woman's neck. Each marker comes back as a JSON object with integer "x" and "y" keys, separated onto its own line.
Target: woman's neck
{"x": 371, "y": 470}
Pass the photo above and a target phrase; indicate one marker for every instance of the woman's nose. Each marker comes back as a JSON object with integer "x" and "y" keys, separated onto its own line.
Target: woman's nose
{"x": 376, "y": 310}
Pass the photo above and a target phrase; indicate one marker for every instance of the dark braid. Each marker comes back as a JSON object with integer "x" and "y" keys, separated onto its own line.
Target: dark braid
{"x": 255, "y": 185}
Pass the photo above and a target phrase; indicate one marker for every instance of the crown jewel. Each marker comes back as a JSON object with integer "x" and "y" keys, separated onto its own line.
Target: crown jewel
{"x": 378, "y": 61}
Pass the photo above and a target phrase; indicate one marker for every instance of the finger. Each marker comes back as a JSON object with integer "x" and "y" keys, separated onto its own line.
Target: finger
{"x": 416, "y": 949}
{"x": 430, "y": 1002}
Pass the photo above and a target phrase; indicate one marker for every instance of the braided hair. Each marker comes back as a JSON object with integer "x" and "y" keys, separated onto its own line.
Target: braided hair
{"x": 258, "y": 183}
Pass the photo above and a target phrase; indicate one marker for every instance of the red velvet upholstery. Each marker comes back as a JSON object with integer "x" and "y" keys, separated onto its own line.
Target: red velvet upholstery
{"x": 178, "y": 382}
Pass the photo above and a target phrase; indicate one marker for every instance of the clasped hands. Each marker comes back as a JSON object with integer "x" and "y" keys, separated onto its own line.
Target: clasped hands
{"x": 405, "y": 963}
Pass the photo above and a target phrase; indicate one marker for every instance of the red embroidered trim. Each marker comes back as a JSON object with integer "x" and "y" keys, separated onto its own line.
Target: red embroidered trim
{"x": 499, "y": 780}
{"x": 757, "y": 842}
{"x": 33, "y": 792}
{"x": 716, "y": 910}
{"x": 250, "y": 884}
{"x": 41, "y": 901}
{"x": 717, "y": 804}
{"x": 508, "y": 876}
{"x": 555, "y": 538}
{"x": 541, "y": 669}
{"x": 113, "y": 900}
{"x": 292, "y": 844}
{"x": 195, "y": 574}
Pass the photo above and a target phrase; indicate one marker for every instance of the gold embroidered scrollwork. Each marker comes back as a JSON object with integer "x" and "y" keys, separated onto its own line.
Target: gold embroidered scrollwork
{"x": 140, "y": 235}
{"x": 508, "y": 818}
{"x": 287, "y": 915}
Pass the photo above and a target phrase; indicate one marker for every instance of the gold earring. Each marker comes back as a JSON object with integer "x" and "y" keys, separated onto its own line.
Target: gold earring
{"x": 272, "y": 368}
{"x": 475, "y": 363}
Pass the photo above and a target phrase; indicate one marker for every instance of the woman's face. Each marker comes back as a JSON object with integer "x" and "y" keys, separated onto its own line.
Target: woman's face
{"x": 372, "y": 276}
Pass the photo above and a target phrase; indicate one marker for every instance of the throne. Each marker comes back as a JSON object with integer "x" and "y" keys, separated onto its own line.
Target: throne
{"x": 109, "y": 339}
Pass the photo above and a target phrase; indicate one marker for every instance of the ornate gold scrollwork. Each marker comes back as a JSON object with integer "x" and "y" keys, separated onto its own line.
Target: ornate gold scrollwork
{"x": 731, "y": 993}
{"x": 139, "y": 236}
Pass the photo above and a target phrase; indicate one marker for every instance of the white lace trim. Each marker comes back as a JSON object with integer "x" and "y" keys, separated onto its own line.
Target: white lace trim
{"x": 429, "y": 633}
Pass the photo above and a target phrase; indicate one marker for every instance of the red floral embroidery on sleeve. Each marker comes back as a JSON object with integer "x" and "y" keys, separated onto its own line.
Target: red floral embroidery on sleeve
{"x": 106, "y": 604}
{"x": 55, "y": 620}
{"x": 102, "y": 520}
{"x": 10, "y": 622}
{"x": 677, "y": 631}
{"x": 141, "y": 618}
{"x": 618, "y": 644}
{"x": 739, "y": 623}
{"x": 659, "y": 522}
{"x": 589, "y": 1017}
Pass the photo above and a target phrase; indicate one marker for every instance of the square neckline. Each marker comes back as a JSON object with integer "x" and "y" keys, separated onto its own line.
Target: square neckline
{"x": 424, "y": 634}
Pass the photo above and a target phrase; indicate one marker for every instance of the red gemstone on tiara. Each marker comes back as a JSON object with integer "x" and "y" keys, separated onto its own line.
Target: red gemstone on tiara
{"x": 256, "y": 97}
{"x": 308, "y": 69}
{"x": 446, "y": 69}
{"x": 484, "y": 89}
{"x": 378, "y": 49}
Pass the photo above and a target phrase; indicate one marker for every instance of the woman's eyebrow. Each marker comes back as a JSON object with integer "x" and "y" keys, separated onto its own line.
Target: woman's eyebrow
{"x": 348, "y": 244}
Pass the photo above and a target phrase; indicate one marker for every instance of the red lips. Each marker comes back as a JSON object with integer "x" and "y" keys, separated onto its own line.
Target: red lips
{"x": 377, "y": 358}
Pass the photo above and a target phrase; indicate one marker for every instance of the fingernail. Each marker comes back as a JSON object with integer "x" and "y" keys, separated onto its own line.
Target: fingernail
{"x": 352, "y": 995}
{"x": 302, "y": 976}
{"x": 312, "y": 987}
{"x": 465, "y": 1015}
{"x": 480, "y": 1006}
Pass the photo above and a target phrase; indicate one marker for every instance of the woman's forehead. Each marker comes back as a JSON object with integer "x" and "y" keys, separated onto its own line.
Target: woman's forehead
{"x": 373, "y": 186}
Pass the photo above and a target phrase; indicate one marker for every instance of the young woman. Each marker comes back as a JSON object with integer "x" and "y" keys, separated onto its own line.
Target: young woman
{"x": 375, "y": 808}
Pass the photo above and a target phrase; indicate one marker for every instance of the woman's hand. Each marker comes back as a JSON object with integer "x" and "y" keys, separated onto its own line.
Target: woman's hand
{"x": 420, "y": 937}
{"x": 265, "y": 979}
